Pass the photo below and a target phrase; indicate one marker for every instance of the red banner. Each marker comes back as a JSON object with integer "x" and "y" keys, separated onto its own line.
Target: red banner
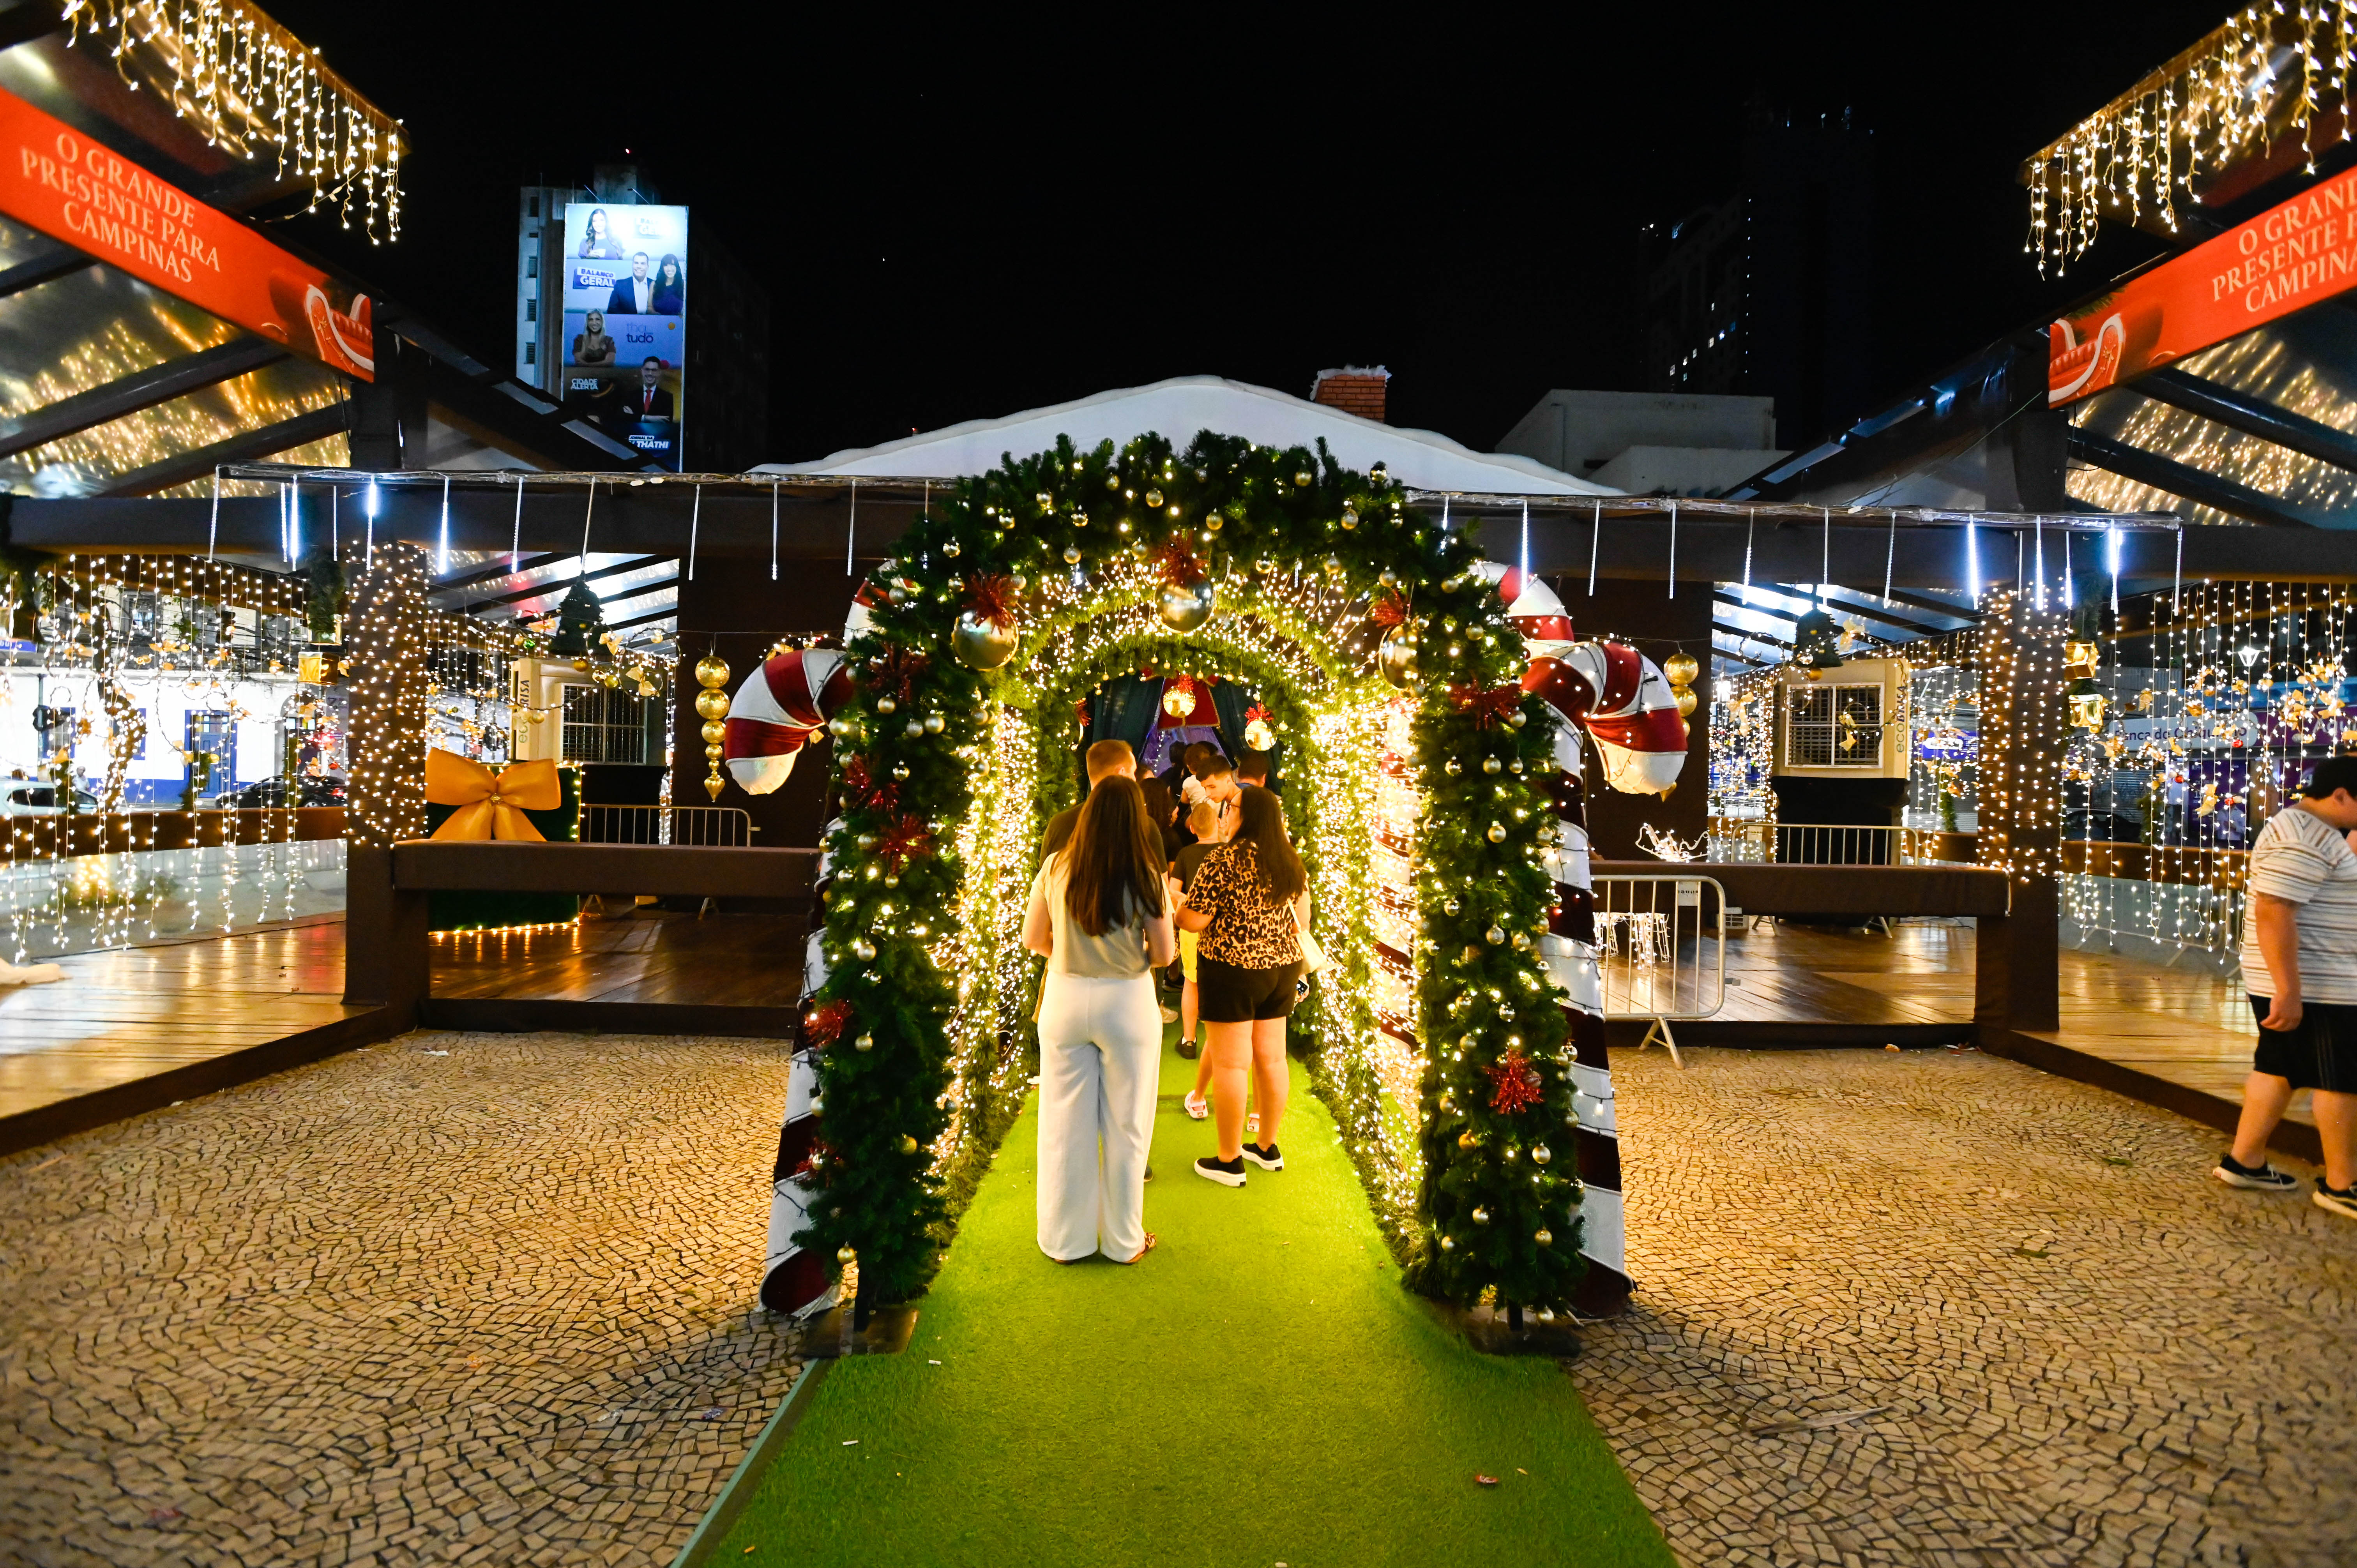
{"x": 55, "y": 179}
{"x": 2285, "y": 259}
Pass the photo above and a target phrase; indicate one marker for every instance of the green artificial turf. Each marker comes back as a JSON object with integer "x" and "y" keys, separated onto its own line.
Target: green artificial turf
{"x": 1258, "y": 1390}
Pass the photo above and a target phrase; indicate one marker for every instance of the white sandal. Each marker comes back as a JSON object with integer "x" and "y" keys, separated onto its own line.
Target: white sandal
{"x": 1196, "y": 1106}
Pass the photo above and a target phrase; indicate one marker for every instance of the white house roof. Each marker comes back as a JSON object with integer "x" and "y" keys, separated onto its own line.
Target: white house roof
{"x": 1180, "y": 407}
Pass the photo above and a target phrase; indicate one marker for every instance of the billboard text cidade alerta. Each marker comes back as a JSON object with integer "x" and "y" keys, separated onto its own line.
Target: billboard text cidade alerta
{"x": 2285, "y": 259}
{"x": 626, "y": 321}
{"x": 57, "y": 180}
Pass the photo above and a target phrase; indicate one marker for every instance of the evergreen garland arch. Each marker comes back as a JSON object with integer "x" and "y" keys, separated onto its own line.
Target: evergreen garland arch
{"x": 946, "y": 774}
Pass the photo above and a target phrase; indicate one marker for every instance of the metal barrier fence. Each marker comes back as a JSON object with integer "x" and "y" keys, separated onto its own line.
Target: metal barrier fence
{"x": 1660, "y": 951}
{"x": 705, "y": 827}
{"x": 1745, "y": 841}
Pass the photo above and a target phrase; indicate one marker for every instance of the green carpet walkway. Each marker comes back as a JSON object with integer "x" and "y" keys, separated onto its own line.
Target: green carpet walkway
{"x": 1259, "y": 1391}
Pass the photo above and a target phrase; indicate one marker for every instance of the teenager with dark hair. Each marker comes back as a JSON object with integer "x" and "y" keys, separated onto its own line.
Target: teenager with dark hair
{"x": 1250, "y": 900}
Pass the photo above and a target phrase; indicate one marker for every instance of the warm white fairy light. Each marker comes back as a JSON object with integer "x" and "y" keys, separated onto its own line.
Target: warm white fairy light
{"x": 259, "y": 92}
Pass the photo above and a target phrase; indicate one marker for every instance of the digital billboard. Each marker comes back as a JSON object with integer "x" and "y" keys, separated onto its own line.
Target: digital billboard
{"x": 55, "y": 179}
{"x": 625, "y": 337}
{"x": 2285, "y": 259}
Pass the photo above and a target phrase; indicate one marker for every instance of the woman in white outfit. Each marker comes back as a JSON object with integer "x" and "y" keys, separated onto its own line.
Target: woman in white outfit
{"x": 1099, "y": 914}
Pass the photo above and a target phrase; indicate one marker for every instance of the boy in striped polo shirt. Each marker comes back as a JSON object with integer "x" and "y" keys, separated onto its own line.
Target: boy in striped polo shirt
{"x": 2299, "y": 965}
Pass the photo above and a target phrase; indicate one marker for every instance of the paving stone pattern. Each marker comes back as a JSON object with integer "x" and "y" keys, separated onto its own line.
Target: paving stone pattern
{"x": 400, "y": 1307}
{"x": 2028, "y": 1329}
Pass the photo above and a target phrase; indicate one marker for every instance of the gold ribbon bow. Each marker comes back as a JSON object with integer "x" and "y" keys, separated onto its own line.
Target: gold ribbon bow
{"x": 490, "y": 806}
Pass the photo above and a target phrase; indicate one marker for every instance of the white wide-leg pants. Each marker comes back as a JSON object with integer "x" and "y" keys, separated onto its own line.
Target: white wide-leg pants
{"x": 1099, "y": 1057}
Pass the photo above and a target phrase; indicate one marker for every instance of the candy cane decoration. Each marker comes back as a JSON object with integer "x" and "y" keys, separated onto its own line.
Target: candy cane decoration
{"x": 1616, "y": 695}
{"x": 776, "y": 712}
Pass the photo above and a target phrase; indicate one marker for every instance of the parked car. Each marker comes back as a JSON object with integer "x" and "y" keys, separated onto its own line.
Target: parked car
{"x": 272, "y": 792}
{"x": 25, "y": 800}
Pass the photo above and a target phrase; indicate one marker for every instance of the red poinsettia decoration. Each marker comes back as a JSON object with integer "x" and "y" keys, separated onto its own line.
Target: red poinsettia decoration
{"x": 862, "y": 791}
{"x": 908, "y": 838}
{"x": 894, "y": 675}
{"x": 1486, "y": 707}
{"x": 991, "y": 597}
{"x": 1515, "y": 1084}
{"x": 1178, "y": 565}
{"x": 1390, "y": 609}
{"x": 815, "y": 1157}
{"x": 1258, "y": 714}
{"x": 823, "y": 1024}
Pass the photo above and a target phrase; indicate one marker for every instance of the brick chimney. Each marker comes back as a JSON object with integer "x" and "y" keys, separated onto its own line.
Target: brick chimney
{"x": 1354, "y": 388}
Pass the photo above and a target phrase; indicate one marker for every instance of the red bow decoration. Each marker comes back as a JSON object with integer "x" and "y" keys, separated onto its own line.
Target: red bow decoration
{"x": 1180, "y": 565}
{"x": 991, "y": 597}
{"x": 1515, "y": 1084}
{"x": 823, "y": 1024}
{"x": 1390, "y": 609}
{"x": 908, "y": 839}
{"x": 1486, "y": 707}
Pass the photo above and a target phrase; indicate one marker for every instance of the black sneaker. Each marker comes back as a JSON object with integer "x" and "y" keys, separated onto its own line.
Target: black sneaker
{"x": 1189, "y": 1050}
{"x": 1267, "y": 1159}
{"x": 2266, "y": 1178}
{"x": 2340, "y": 1201}
{"x": 1227, "y": 1172}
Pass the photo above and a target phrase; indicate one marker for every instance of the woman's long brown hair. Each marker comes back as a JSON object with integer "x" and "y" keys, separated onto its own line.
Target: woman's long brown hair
{"x": 1261, "y": 823}
{"x": 1115, "y": 858}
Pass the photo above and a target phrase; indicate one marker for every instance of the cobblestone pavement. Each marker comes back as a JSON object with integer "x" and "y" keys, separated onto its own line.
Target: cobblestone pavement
{"x": 2021, "y": 1324}
{"x": 456, "y": 1299}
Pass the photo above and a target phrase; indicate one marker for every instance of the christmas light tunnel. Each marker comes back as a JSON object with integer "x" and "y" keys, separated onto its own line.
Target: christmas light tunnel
{"x": 1431, "y": 707}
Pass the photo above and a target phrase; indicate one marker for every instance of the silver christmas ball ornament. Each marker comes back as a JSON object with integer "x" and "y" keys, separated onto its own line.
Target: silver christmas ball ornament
{"x": 1396, "y": 657}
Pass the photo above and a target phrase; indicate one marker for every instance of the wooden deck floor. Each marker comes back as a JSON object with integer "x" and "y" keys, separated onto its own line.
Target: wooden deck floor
{"x": 2179, "y": 1025}
{"x": 134, "y": 1012}
{"x": 750, "y": 960}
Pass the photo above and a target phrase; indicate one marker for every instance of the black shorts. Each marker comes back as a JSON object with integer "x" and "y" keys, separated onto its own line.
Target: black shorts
{"x": 1226, "y": 994}
{"x": 2319, "y": 1054}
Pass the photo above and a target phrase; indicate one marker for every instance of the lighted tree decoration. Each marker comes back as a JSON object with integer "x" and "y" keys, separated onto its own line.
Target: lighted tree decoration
{"x": 580, "y": 617}
{"x": 1496, "y": 1213}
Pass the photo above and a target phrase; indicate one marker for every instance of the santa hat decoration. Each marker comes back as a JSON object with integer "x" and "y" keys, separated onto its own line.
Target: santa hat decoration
{"x": 1534, "y": 608}
{"x": 1618, "y": 696}
{"x": 777, "y": 711}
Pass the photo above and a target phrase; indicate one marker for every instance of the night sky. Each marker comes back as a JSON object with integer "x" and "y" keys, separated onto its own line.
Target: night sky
{"x": 957, "y": 221}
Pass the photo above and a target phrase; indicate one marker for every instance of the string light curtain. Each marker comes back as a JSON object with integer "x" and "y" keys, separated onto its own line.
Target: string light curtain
{"x": 2270, "y": 76}
{"x": 257, "y": 92}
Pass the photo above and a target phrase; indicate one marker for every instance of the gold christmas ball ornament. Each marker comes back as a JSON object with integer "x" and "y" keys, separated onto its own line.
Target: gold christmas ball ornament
{"x": 864, "y": 1042}
{"x": 1491, "y": 765}
{"x": 1187, "y": 608}
{"x": 908, "y": 1145}
{"x": 1541, "y": 1154}
{"x": 1545, "y": 1238}
{"x": 1259, "y": 736}
{"x": 862, "y": 951}
{"x": 1681, "y": 668}
{"x": 953, "y": 549}
{"x": 981, "y": 644}
{"x": 711, "y": 671}
{"x": 1481, "y": 1216}
{"x": 1303, "y": 478}
{"x": 1153, "y": 500}
{"x": 1213, "y": 523}
{"x": 715, "y": 732}
{"x": 1495, "y": 936}
{"x": 885, "y": 704}
{"x": 1350, "y": 517}
{"x": 1071, "y": 554}
{"x": 913, "y": 730}
{"x": 1449, "y": 1243}
{"x": 1396, "y": 657}
{"x": 845, "y": 1256}
{"x": 712, "y": 704}
{"x": 1497, "y": 834}
{"x": 1452, "y": 768}
{"x": 1688, "y": 701}
{"x": 1113, "y": 481}
{"x": 935, "y": 724}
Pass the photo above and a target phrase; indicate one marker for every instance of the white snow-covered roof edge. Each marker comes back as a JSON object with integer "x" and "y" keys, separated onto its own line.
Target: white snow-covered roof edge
{"x": 1182, "y": 406}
